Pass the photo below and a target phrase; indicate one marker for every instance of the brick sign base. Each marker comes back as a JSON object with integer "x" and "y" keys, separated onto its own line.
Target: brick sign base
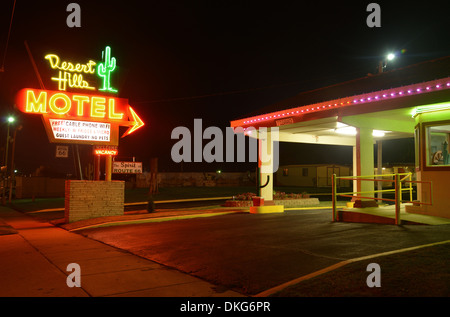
{"x": 93, "y": 199}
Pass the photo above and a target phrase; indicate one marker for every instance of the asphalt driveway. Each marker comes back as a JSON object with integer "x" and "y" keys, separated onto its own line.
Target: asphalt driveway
{"x": 251, "y": 253}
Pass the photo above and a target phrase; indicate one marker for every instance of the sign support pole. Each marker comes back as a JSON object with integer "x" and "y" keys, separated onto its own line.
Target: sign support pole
{"x": 80, "y": 171}
{"x": 96, "y": 167}
{"x": 108, "y": 168}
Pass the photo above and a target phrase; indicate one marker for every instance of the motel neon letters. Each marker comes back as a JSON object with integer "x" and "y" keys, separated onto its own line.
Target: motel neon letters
{"x": 71, "y": 74}
{"x": 71, "y": 105}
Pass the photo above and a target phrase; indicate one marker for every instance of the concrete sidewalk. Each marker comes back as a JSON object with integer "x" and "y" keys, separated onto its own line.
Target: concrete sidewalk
{"x": 34, "y": 257}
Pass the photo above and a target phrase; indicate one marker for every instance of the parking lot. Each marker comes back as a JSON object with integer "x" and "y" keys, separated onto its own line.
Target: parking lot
{"x": 255, "y": 253}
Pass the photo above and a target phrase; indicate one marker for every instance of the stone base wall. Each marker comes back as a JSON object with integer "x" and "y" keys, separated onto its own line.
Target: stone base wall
{"x": 93, "y": 199}
{"x": 304, "y": 202}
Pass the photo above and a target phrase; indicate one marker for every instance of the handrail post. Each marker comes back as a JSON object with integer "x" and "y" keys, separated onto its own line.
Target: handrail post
{"x": 333, "y": 197}
{"x": 397, "y": 198}
{"x": 410, "y": 188}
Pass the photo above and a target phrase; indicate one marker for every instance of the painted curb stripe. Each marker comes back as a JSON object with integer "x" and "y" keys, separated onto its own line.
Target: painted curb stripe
{"x": 301, "y": 279}
{"x": 333, "y": 267}
{"x": 156, "y": 219}
{"x": 145, "y": 202}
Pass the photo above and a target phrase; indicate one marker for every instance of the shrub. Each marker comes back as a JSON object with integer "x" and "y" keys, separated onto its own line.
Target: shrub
{"x": 276, "y": 196}
{"x": 245, "y": 196}
{"x": 283, "y": 195}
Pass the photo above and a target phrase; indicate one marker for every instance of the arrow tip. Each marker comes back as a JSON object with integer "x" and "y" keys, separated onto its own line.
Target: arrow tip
{"x": 138, "y": 123}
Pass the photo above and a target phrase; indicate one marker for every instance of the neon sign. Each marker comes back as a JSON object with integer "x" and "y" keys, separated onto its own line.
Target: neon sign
{"x": 105, "y": 69}
{"x": 71, "y": 117}
{"x": 71, "y": 75}
{"x": 67, "y": 107}
{"x": 106, "y": 150}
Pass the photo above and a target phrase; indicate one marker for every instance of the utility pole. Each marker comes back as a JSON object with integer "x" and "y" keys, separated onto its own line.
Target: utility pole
{"x": 11, "y": 182}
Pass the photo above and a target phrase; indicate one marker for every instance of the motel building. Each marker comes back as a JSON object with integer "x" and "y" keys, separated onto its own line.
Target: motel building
{"x": 411, "y": 102}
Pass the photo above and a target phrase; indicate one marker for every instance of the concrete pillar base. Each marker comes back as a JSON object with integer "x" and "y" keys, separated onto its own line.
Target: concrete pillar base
{"x": 266, "y": 209}
{"x": 364, "y": 203}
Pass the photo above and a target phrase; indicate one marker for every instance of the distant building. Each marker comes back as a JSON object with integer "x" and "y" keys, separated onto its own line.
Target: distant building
{"x": 310, "y": 175}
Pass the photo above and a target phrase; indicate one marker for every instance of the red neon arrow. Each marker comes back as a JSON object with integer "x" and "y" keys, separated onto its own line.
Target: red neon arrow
{"x": 135, "y": 123}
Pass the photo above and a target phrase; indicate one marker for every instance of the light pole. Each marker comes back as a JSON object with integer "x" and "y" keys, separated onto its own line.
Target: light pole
{"x": 13, "y": 174}
{"x": 5, "y": 178}
{"x": 10, "y": 120}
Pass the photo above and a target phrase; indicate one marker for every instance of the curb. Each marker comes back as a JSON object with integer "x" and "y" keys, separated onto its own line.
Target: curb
{"x": 144, "y": 220}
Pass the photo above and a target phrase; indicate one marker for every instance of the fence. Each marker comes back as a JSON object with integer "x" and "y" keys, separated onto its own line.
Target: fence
{"x": 397, "y": 189}
{"x": 39, "y": 187}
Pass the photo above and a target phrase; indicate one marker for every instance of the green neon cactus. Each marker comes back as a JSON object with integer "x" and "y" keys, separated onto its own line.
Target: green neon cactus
{"x": 106, "y": 68}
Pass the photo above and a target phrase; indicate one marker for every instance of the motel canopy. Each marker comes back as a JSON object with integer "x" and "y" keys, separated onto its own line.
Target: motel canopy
{"x": 409, "y": 102}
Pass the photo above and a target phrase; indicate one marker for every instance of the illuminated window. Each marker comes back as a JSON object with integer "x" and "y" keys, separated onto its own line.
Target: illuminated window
{"x": 437, "y": 150}
{"x": 285, "y": 172}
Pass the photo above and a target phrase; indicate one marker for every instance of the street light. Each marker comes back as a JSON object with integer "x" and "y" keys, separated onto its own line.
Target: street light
{"x": 383, "y": 63}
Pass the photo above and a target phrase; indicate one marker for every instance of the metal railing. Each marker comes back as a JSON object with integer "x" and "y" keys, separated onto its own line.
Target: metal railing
{"x": 397, "y": 190}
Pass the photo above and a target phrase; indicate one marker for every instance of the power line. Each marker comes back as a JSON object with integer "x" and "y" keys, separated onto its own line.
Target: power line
{"x": 217, "y": 94}
{"x": 233, "y": 92}
{"x": 2, "y": 69}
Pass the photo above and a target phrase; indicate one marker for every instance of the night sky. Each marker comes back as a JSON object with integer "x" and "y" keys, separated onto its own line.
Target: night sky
{"x": 214, "y": 60}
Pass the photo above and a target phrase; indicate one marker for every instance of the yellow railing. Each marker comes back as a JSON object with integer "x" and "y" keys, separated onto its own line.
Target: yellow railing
{"x": 398, "y": 179}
